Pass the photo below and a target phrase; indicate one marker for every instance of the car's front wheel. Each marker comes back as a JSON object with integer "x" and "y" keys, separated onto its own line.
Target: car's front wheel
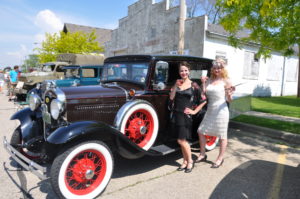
{"x": 82, "y": 171}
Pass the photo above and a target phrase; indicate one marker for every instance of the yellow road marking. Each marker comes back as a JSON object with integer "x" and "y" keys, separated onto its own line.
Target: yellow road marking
{"x": 276, "y": 184}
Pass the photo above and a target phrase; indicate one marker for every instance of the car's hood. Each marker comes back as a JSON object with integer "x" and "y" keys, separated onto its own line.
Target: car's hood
{"x": 94, "y": 92}
{"x": 36, "y": 73}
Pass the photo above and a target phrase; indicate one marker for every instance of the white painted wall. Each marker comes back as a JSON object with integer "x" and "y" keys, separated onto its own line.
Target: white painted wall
{"x": 270, "y": 78}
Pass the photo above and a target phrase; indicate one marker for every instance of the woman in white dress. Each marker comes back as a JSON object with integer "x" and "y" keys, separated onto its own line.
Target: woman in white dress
{"x": 218, "y": 90}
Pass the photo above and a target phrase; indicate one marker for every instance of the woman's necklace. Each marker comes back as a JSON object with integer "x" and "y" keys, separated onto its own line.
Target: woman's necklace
{"x": 184, "y": 84}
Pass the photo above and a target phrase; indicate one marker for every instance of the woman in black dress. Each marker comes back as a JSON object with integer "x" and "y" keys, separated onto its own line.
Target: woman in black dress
{"x": 183, "y": 93}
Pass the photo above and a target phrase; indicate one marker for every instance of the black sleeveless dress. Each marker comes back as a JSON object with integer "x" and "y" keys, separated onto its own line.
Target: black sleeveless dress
{"x": 182, "y": 125}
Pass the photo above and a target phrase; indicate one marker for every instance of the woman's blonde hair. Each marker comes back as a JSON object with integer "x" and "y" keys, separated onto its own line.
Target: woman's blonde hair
{"x": 220, "y": 63}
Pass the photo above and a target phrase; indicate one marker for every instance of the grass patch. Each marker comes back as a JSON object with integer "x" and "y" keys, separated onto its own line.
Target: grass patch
{"x": 284, "y": 105}
{"x": 269, "y": 123}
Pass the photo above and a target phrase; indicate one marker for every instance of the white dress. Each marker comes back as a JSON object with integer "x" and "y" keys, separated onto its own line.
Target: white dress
{"x": 215, "y": 121}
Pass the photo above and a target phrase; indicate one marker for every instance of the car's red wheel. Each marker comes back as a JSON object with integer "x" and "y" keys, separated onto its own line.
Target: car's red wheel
{"x": 83, "y": 171}
{"x": 211, "y": 142}
{"x": 16, "y": 142}
{"x": 140, "y": 125}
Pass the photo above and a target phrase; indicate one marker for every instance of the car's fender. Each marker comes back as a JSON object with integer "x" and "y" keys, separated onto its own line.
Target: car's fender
{"x": 97, "y": 130}
{"x": 25, "y": 116}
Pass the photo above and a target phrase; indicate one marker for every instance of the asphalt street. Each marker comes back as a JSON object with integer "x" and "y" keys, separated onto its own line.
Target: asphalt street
{"x": 254, "y": 167}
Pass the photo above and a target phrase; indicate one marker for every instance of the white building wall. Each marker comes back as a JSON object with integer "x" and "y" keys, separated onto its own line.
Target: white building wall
{"x": 270, "y": 80}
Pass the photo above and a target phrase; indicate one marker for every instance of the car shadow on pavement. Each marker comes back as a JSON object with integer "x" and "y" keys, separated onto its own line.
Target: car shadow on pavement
{"x": 260, "y": 179}
{"x": 126, "y": 167}
{"x": 22, "y": 184}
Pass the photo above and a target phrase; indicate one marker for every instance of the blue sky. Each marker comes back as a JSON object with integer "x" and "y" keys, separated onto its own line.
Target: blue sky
{"x": 24, "y": 22}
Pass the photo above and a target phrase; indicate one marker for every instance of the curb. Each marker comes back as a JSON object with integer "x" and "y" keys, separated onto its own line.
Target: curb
{"x": 286, "y": 136}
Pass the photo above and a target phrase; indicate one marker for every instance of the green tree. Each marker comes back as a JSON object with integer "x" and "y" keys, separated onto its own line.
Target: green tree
{"x": 77, "y": 42}
{"x": 32, "y": 61}
{"x": 274, "y": 24}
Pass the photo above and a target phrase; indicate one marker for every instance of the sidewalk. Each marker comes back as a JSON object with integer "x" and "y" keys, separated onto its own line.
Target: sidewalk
{"x": 273, "y": 133}
{"x": 274, "y": 117}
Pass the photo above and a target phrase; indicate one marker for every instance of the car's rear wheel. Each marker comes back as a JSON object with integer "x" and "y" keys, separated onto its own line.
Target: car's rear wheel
{"x": 140, "y": 125}
{"x": 82, "y": 171}
{"x": 211, "y": 142}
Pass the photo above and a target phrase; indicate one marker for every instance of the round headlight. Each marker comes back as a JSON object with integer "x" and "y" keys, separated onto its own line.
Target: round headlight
{"x": 34, "y": 101}
{"x": 56, "y": 108}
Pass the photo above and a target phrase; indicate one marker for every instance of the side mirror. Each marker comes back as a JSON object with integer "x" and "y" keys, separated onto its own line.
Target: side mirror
{"x": 159, "y": 86}
{"x": 161, "y": 72}
{"x": 161, "y": 75}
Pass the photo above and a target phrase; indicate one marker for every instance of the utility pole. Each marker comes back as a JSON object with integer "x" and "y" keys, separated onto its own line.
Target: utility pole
{"x": 182, "y": 17}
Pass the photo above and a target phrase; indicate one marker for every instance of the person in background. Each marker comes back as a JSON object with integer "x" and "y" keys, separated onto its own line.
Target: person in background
{"x": 218, "y": 89}
{"x": 2, "y": 79}
{"x": 6, "y": 78}
{"x": 13, "y": 78}
{"x": 182, "y": 94}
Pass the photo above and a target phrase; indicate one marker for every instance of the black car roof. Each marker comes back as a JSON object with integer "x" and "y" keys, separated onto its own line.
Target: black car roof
{"x": 82, "y": 66}
{"x": 127, "y": 58}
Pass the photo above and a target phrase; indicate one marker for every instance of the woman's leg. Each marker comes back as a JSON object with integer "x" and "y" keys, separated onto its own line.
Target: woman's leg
{"x": 186, "y": 151}
{"x": 223, "y": 145}
{"x": 202, "y": 142}
{"x": 184, "y": 163}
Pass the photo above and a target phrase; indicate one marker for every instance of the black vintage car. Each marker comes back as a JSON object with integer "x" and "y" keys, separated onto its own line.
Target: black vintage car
{"x": 77, "y": 129}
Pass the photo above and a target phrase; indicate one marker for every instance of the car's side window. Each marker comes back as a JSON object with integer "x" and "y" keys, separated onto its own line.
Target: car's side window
{"x": 89, "y": 72}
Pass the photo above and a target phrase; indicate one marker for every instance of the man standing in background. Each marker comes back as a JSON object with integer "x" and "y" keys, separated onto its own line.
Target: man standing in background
{"x": 13, "y": 78}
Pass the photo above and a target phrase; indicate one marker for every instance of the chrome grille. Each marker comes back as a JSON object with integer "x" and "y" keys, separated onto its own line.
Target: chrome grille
{"x": 46, "y": 114}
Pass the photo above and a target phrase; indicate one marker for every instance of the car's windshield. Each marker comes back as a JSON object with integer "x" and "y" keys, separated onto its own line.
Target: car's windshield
{"x": 48, "y": 67}
{"x": 136, "y": 72}
{"x": 72, "y": 73}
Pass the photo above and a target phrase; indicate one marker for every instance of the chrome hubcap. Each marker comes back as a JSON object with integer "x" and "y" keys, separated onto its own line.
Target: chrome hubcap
{"x": 89, "y": 174}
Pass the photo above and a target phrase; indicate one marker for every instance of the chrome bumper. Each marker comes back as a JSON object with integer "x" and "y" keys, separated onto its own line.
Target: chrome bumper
{"x": 26, "y": 163}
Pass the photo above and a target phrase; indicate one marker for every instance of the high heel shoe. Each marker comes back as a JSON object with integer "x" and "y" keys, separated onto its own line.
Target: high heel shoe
{"x": 189, "y": 170}
{"x": 201, "y": 159}
{"x": 215, "y": 166}
{"x": 182, "y": 167}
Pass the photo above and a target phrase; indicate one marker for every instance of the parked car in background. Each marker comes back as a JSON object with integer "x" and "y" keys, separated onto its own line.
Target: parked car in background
{"x": 78, "y": 129}
{"x": 79, "y": 75}
{"x": 52, "y": 71}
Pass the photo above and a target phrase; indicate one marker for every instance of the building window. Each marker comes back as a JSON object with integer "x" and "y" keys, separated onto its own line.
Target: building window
{"x": 251, "y": 65}
{"x": 275, "y": 68}
{"x": 291, "y": 67}
{"x": 152, "y": 33}
{"x": 221, "y": 55}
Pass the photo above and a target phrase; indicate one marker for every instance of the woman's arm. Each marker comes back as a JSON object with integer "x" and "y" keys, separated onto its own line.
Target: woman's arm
{"x": 204, "y": 81}
{"x": 196, "y": 110}
{"x": 173, "y": 89}
{"x": 228, "y": 90}
{"x": 173, "y": 92}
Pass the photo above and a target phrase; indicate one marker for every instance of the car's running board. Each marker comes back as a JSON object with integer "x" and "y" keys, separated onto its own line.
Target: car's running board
{"x": 164, "y": 149}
